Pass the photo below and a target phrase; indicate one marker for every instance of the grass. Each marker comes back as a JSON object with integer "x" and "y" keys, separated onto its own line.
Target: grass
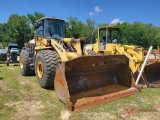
{"x": 22, "y": 98}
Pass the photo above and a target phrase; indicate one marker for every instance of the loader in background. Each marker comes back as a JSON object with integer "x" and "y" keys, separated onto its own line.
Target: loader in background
{"x": 80, "y": 79}
{"x": 152, "y": 68}
{"x": 108, "y": 43}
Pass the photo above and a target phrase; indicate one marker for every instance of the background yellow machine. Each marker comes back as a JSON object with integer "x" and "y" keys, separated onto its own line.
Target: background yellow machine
{"x": 108, "y": 43}
{"x": 80, "y": 80}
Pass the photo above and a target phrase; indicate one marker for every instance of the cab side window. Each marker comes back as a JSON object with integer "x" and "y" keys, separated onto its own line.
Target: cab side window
{"x": 39, "y": 30}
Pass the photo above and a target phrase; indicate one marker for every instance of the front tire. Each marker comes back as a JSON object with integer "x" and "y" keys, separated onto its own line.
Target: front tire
{"x": 24, "y": 63}
{"x": 8, "y": 61}
{"x": 45, "y": 67}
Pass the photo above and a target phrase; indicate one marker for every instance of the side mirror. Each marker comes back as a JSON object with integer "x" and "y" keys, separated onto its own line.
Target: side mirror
{"x": 35, "y": 25}
{"x": 70, "y": 27}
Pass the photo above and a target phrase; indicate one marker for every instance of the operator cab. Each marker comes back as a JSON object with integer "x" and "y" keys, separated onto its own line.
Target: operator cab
{"x": 50, "y": 28}
{"x": 108, "y": 35}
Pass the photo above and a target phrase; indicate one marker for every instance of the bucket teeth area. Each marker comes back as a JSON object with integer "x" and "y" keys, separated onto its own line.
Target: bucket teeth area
{"x": 101, "y": 95}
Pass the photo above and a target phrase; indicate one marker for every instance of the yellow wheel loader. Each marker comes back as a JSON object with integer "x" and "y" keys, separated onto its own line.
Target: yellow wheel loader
{"x": 108, "y": 43}
{"x": 80, "y": 78}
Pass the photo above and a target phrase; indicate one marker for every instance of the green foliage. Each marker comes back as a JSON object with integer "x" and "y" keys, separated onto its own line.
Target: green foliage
{"x": 20, "y": 29}
{"x": 140, "y": 34}
{"x": 81, "y": 29}
{"x": 33, "y": 18}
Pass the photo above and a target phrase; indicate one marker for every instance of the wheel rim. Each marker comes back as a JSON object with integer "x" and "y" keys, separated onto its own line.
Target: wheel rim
{"x": 39, "y": 69}
{"x": 21, "y": 63}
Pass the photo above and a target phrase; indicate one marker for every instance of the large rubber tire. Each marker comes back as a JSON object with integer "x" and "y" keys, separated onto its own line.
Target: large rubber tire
{"x": 91, "y": 52}
{"x": 24, "y": 63}
{"x": 45, "y": 67}
{"x": 8, "y": 61}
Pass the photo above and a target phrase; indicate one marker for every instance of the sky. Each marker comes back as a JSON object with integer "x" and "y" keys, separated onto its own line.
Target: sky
{"x": 101, "y": 11}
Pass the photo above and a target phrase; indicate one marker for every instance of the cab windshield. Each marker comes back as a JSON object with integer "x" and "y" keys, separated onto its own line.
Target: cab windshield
{"x": 109, "y": 35}
{"x": 54, "y": 28}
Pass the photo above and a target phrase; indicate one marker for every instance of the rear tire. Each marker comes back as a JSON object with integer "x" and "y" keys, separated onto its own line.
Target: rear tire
{"x": 91, "y": 52}
{"x": 8, "y": 61}
{"x": 45, "y": 67}
{"x": 24, "y": 63}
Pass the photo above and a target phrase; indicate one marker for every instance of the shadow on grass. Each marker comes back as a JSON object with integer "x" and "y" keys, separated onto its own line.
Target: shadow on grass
{"x": 50, "y": 89}
{"x": 16, "y": 64}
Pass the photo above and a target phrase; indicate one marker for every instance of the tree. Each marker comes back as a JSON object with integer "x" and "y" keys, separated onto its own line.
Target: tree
{"x": 140, "y": 34}
{"x": 19, "y": 29}
{"x": 80, "y": 29}
{"x": 4, "y": 34}
{"x": 89, "y": 30}
{"x": 33, "y": 18}
{"x": 77, "y": 27}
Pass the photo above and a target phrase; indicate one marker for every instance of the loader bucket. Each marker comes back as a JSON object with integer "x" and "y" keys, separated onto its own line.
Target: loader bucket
{"x": 91, "y": 80}
{"x": 152, "y": 72}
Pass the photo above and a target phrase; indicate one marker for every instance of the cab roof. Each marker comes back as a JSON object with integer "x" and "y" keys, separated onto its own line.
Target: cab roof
{"x": 48, "y": 18}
